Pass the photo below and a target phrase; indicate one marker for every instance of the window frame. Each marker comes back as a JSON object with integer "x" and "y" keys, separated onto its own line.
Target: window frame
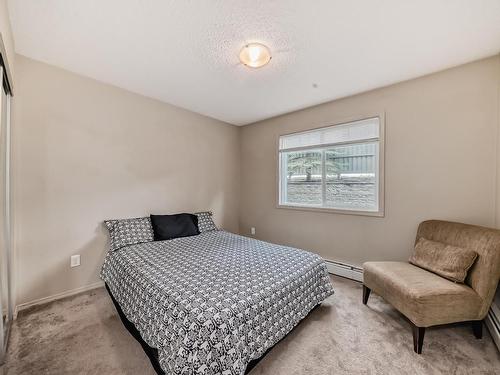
{"x": 380, "y": 177}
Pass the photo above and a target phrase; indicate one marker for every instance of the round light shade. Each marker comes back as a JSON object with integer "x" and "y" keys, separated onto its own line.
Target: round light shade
{"x": 255, "y": 55}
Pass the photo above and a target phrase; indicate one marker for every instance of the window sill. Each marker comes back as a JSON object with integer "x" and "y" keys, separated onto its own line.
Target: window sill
{"x": 332, "y": 210}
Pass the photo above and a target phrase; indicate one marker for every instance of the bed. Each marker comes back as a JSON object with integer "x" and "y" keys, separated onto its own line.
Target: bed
{"x": 215, "y": 302}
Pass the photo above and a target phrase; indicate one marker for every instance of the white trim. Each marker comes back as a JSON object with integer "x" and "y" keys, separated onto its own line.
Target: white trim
{"x": 296, "y": 206}
{"x": 54, "y": 297}
{"x": 380, "y": 212}
{"x": 492, "y": 321}
{"x": 8, "y": 215}
{"x": 345, "y": 270}
{"x": 3, "y": 337}
{"x": 329, "y": 145}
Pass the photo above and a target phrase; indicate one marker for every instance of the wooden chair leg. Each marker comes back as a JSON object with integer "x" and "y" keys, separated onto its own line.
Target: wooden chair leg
{"x": 366, "y": 294}
{"x": 418, "y": 338}
{"x": 477, "y": 328}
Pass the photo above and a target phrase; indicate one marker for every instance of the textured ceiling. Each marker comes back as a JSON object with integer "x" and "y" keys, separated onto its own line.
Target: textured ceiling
{"x": 185, "y": 52}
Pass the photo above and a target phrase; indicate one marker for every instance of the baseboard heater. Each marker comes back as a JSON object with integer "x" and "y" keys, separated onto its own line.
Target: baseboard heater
{"x": 345, "y": 270}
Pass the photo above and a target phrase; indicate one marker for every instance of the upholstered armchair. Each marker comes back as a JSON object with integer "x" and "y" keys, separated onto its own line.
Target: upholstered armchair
{"x": 428, "y": 299}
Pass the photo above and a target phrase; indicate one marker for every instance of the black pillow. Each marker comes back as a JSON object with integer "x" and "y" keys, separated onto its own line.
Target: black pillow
{"x": 167, "y": 227}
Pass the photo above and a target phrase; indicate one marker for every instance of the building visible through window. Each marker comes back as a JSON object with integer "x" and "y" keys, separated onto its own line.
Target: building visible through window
{"x": 336, "y": 167}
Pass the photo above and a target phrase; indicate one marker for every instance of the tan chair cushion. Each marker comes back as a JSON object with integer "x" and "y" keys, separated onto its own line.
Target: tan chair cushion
{"x": 423, "y": 297}
{"x": 451, "y": 262}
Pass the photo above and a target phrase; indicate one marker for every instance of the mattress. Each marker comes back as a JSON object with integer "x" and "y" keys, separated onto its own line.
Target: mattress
{"x": 211, "y": 303}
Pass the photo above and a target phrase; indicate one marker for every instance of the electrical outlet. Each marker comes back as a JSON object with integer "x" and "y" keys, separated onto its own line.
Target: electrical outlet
{"x": 252, "y": 230}
{"x": 75, "y": 260}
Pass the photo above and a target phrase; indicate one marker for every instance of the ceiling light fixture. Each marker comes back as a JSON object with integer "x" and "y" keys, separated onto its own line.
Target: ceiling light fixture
{"x": 255, "y": 55}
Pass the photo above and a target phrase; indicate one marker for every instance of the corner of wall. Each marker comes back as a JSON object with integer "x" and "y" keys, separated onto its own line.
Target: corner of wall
{"x": 240, "y": 174}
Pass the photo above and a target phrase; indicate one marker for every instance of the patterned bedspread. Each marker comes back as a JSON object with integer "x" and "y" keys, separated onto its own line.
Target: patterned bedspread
{"x": 211, "y": 303}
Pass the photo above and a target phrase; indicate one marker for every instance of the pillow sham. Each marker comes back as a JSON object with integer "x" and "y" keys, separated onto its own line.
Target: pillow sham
{"x": 448, "y": 261}
{"x": 205, "y": 222}
{"x": 167, "y": 227}
{"x": 124, "y": 232}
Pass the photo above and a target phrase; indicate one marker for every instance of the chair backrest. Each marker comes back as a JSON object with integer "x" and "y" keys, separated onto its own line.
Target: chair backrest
{"x": 484, "y": 274}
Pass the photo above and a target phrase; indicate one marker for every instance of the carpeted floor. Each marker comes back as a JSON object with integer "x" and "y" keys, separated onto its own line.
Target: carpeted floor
{"x": 83, "y": 335}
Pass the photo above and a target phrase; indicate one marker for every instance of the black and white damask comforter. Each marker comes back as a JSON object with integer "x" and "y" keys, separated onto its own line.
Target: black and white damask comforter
{"x": 213, "y": 302}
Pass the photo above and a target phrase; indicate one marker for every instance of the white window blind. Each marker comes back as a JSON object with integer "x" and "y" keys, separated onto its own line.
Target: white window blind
{"x": 352, "y": 132}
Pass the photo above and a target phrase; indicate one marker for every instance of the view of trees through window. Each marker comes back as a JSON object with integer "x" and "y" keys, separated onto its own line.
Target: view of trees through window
{"x": 342, "y": 177}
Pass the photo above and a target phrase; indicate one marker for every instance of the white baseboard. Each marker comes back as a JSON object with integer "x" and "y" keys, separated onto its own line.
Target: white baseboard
{"x": 492, "y": 321}
{"x": 345, "y": 270}
{"x": 68, "y": 293}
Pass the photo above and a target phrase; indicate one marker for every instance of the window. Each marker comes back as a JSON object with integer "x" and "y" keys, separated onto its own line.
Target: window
{"x": 337, "y": 168}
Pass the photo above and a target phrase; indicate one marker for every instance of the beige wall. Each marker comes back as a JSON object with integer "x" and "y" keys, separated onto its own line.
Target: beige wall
{"x": 84, "y": 151}
{"x": 440, "y": 162}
